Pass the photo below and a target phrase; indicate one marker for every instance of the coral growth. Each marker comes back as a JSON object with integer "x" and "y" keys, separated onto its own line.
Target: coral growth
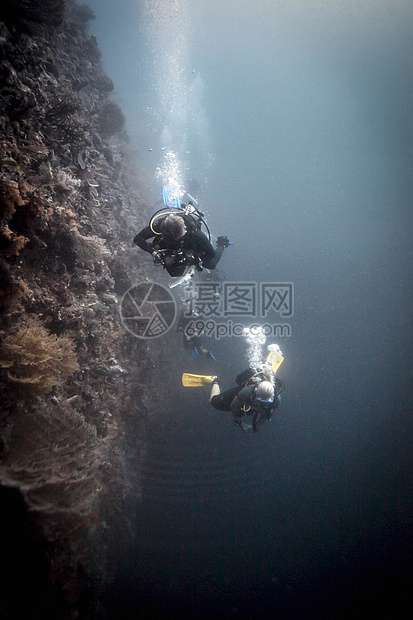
{"x": 89, "y": 249}
{"x": 36, "y": 359}
{"x": 10, "y": 243}
{"x": 53, "y": 458}
{"x": 71, "y": 200}
{"x": 65, "y": 182}
{"x": 82, "y": 13}
{"x": 10, "y": 199}
{"x": 111, "y": 119}
{"x": 31, "y": 15}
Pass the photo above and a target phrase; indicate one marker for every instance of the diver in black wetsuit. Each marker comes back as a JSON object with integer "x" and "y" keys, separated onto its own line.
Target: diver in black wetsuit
{"x": 177, "y": 243}
{"x": 194, "y": 343}
{"x": 256, "y": 394}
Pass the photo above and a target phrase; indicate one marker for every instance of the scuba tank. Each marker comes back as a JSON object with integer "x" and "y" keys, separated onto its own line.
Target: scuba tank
{"x": 176, "y": 258}
{"x": 191, "y": 215}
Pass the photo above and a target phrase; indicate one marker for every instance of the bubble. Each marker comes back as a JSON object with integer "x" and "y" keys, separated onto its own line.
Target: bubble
{"x": 255, "y": 339}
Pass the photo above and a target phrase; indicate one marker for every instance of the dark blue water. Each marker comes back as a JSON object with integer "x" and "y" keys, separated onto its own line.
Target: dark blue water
{"x": 296, "y": 124}
{"x": 308, "y": 518}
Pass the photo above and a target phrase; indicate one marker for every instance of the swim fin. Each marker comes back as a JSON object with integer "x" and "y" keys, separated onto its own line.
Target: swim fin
{"x": 274, "y": 357}
{"x": 189, "y": 380}
{"x": 170, "y": 198}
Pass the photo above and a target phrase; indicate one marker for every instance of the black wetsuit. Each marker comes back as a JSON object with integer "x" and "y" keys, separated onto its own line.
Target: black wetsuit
{"x": 194, "y": 245}
{"x": 260, "y": 412}
{"x": 191, "y": 343}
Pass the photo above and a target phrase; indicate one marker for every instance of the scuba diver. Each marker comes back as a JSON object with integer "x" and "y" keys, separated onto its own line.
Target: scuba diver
{"x": 257, "y": 393}
{"x": 193, "y": 344}
{"x": 177, "y": 241}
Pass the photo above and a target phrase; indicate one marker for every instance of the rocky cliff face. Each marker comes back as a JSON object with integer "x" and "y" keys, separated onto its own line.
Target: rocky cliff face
{"x": 72, "y": 379}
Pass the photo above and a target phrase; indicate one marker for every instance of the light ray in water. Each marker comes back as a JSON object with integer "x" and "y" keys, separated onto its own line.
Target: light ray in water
{"x": 168, "y": 36}
{"x": 179, "y": 116}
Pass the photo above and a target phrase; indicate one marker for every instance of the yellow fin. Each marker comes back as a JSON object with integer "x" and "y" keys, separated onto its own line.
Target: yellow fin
{"x": 275, "y": 359}
{"x": 189, "y": 380}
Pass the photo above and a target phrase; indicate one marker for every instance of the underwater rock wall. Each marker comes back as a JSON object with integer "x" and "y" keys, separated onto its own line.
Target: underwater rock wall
{"x": 71, "y": 200}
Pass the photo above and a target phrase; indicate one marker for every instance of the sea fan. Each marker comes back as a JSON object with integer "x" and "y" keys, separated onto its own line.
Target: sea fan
{"x": 53, "y": 459}
{"x": 35, "y": 359}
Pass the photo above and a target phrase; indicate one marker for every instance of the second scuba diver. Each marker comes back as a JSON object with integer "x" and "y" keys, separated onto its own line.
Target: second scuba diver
{"x": 176, "y": 241}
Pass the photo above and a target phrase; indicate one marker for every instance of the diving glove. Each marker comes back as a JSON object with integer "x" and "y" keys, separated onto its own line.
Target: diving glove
{"x": 223, "y": 241}
{"x": 157, "y": 257}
